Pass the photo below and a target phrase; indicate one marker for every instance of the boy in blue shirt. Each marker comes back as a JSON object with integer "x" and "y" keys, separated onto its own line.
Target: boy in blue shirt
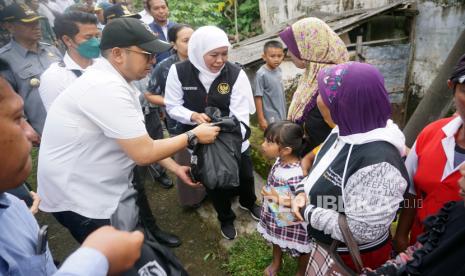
{"x": 269, "y": 90}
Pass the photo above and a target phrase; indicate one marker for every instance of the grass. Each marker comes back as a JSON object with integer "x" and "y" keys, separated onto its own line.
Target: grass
{"x": 32, "y": 179}
{"x": 250, "y": 255}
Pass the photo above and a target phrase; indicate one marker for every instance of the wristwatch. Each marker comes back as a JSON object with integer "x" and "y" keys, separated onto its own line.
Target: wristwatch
{"x": 192, "y": 139}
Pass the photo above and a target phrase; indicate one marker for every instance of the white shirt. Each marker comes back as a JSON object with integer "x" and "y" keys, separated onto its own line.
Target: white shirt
{"x": 81, "y": 166}
{"x": 146, "y": 17}
{"x": 63, "y": 4}
{"x": 239, "y": 104}
{"x": 56, "y": 79}
{"x": 54, "y": 6}
{"x": 47, "y": 12}
{"x": 165, "y": 30}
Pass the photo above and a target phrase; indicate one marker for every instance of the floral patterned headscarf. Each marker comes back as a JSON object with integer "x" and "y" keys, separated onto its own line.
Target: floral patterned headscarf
{"x": 320, "y": 47}
{"x": 356, "y": 97}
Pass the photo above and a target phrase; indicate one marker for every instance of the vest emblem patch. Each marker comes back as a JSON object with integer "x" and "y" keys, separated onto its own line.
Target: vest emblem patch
{"x": 223, "y": 88}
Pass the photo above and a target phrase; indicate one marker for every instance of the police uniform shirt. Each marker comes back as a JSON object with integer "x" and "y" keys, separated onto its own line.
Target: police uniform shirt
{"x": 24, "y": 76}
{"x": 57, "y": 78}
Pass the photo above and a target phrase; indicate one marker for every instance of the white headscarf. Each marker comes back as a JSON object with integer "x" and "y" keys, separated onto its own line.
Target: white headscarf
{"x": 202, "y": 41}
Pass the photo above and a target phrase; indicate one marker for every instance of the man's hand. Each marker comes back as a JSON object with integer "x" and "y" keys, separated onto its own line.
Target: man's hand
{"x": 298, "y": 203}
{"x": 35, "y": 203}
{"x": 206, "y": 133}
{"x": 122, "y": 249}
{"x": 200, "y": 118}
{"x": 183, "y": 172}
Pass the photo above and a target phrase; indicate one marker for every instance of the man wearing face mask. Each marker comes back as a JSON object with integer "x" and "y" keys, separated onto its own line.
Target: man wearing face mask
{"x": 78, "y": 31}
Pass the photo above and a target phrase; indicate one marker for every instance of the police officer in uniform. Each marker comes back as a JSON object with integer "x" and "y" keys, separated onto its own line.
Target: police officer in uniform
{"x": 28, "y": 59}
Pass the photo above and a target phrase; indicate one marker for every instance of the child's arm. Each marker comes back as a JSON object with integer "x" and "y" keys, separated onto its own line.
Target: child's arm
{"x": 260, "y": 116}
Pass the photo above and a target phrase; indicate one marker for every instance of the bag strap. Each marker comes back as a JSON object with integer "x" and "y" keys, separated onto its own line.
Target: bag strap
{"x": 350, "y": 243}
{"x": 247, "y": 131}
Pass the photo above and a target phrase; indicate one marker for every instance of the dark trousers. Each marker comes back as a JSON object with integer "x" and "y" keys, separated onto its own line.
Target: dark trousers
{"x": 79, "y": 226}
{"x": 155, "y": 130}
{"x": 145, "y": 213}
{"x": 221, "y": 198}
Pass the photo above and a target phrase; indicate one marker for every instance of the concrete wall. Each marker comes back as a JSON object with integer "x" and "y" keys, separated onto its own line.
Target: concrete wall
{"x": 438, "y": 25}
{"x": 273, "y": 12}
{"x": 437, "y": 29}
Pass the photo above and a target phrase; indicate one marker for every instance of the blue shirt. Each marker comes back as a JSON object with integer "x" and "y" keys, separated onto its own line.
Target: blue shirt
{"x": 18, "y": 239}
{"x": 159, "y": 31}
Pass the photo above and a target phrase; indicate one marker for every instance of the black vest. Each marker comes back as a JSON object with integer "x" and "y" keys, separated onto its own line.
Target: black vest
{"x": 195, "y": 95}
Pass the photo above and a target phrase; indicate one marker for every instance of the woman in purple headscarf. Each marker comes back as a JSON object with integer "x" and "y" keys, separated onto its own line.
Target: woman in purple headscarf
{"x": 359, "y": 170}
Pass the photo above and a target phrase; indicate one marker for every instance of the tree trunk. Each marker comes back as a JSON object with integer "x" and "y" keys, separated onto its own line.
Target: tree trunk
{"x": 437, "y": 98}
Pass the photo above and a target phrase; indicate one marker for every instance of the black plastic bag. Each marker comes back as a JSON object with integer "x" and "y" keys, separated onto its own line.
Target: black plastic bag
{"x": 216, "y": 165}
{"x": 156, "y": 259}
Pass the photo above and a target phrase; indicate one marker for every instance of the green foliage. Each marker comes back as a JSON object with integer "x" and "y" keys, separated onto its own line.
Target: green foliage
{"x": 260, "y": 164}
{"x": 248, "y": 13}
{"x": 216, "y": 12}
{"x": 197, "y": 13}
{"x": 250, "y": 255}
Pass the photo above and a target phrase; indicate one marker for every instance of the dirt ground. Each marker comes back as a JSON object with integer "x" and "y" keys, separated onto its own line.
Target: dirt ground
{"x": 200, "y": 252}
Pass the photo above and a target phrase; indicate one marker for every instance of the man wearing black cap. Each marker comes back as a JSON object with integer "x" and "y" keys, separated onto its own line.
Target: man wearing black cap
{"x": 95, "y": 134}
{"x": 28, "y": 59}
{"x": 117, "y": 11}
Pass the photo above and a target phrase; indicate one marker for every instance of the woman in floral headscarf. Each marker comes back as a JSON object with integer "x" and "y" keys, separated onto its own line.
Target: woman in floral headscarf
{"x": 359, "y": 170}
{"x": 312, "y": 46}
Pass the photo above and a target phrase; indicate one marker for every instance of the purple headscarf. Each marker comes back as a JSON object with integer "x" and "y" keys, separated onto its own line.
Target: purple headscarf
{"x": 287, "y": 35}
{"x": 356, "y": 97}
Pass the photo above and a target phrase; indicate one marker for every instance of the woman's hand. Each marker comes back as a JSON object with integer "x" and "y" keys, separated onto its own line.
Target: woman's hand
{"x": 200, "y": 118}
{"x": 299, "y": 202}
{"x": 400, "y": 243}
{"x": 307, "y": 162}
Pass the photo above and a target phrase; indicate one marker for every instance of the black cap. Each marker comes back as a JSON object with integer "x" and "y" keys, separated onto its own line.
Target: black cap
{"x": 117, "y": 11}
{"x": 127, "y": 31}
{"x": 19, "y": 12}
{"x": 458, "y": 75}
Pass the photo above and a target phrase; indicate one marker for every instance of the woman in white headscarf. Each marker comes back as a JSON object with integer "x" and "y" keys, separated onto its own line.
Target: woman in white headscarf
{"x": 209, "y": 79}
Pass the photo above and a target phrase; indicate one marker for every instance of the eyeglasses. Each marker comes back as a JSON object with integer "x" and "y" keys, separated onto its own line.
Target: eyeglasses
{"x": 149, "y": 56}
